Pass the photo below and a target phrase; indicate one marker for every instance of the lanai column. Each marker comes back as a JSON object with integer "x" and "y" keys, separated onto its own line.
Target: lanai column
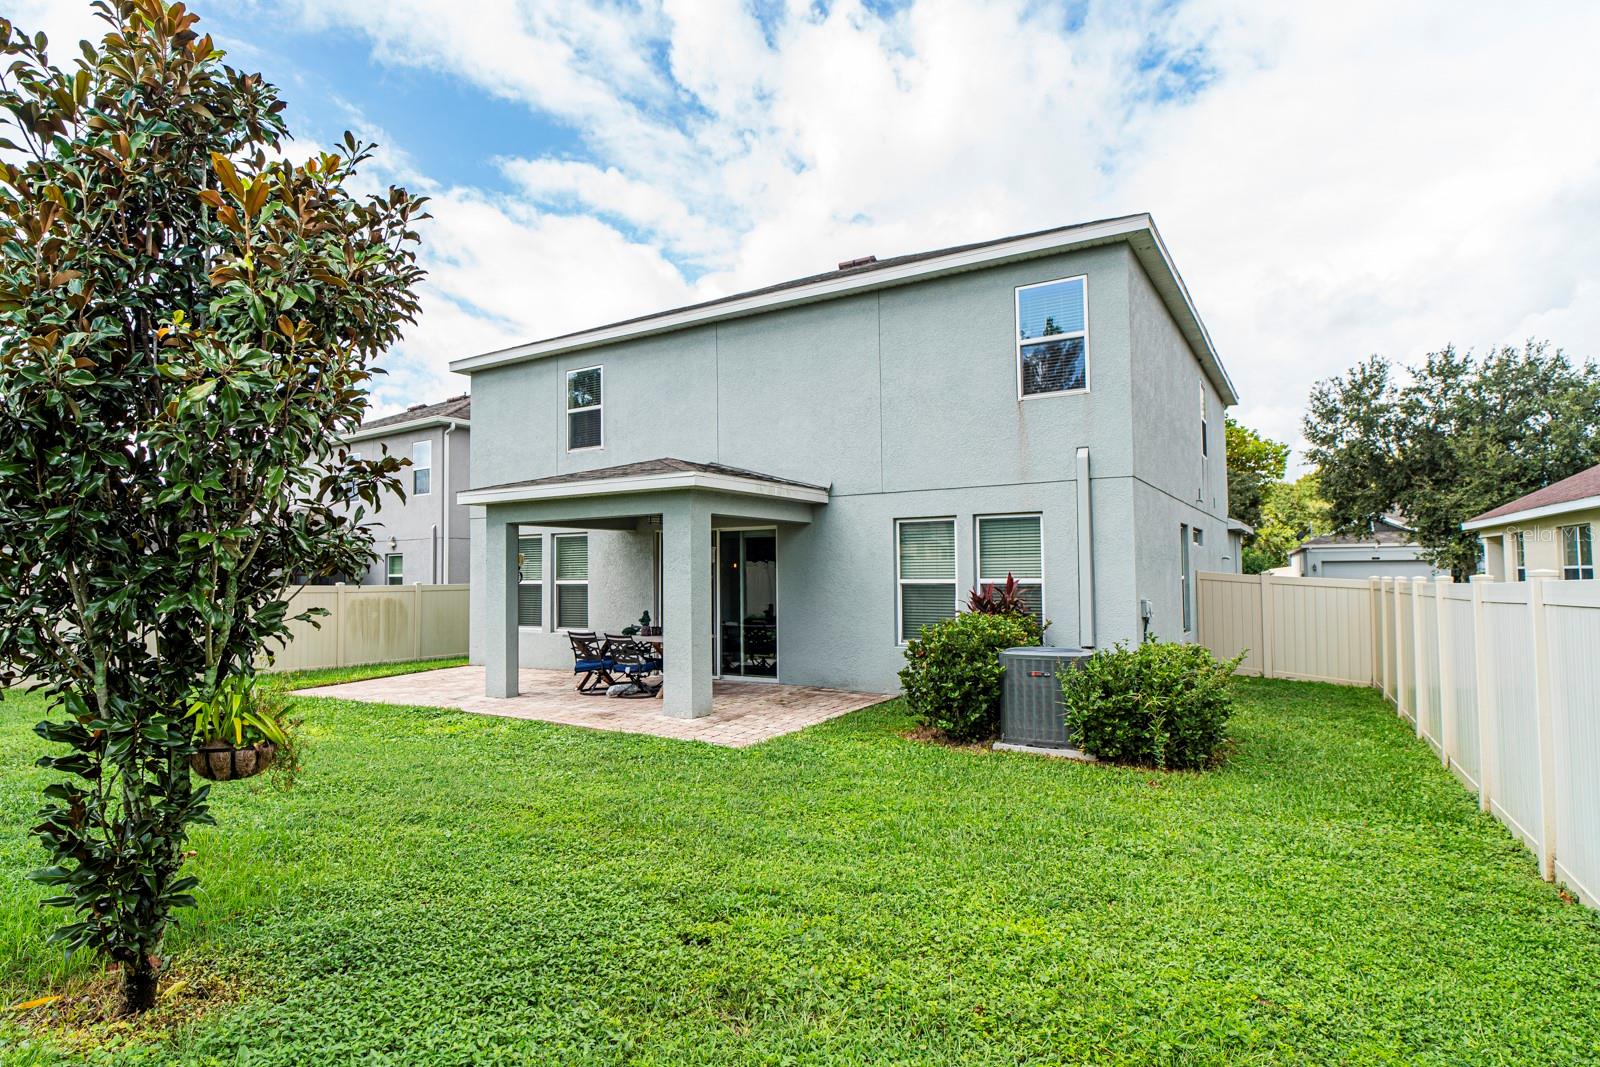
{"x": 686, "y": 603}
{"x": 500, "y": 653}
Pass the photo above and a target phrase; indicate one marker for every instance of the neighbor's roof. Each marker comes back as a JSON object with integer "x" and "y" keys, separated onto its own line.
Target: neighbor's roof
{"x": 1137, "y": 231}
{"x": 1377, "y": 537}
{"x": 455, "y": 411}
{"x": 647, "y": 476}
{"x": 1577, "y": 493}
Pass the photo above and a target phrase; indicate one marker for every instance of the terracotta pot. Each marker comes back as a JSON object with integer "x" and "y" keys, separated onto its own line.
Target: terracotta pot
{"x": 223, "y": 763}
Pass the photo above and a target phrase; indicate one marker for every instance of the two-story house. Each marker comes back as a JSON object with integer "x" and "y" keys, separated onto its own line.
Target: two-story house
{"x": 794, "y": 480}
{"x": 423, "y": 538}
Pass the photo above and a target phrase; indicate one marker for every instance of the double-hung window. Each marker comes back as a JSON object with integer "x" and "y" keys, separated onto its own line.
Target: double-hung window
{"x": 422, "y": 468}
{"x": 1053, "y": 337}
{"x": 572, "y": 581}
{"x": 584, "y": 412}
{"x": 530, "y": 580}
{"x": 925, "y": 565}
{"x": 1011, "y": 546}
{"x": 1577, "y": 552}
{"x": 1522, "y": 556}
{"x": 394, "y": 569}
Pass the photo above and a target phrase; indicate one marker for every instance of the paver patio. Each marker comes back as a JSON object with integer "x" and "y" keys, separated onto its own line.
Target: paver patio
{"x": 742, "y": 713}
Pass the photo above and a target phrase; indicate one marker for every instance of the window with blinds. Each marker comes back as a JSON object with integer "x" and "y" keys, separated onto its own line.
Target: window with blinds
{"x": 584, "y": 409}
{"x": 530, "y": 580}
{"x": 1052, "y": 337}
{"x": 925, "y": 554}
{"x": 1013, "y": 545}
{"x": 572, "y": 581}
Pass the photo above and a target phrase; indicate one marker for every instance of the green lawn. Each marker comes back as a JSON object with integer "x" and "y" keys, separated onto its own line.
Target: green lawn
{"x": 445, "y": 889}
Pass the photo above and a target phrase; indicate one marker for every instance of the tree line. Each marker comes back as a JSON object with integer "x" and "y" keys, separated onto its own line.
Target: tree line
{"x": 1435, "y": 443}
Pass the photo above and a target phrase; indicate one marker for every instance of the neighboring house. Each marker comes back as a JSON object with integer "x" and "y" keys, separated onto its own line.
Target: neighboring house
{"x": 1388, "y": 550}
{"x": 1238, "y": 531}
{"x": 423, "y": 538}
{"x": 1550, "y": 529}
{"x": 794, "y": 480}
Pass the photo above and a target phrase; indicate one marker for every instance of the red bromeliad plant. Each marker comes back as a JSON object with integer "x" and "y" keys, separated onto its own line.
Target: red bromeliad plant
{"x": 1006, "y": 599}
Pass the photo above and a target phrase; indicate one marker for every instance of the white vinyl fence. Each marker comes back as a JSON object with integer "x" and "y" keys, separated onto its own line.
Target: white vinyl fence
{"x": 375, "y": 624}
{"x": 1501, "y": 679}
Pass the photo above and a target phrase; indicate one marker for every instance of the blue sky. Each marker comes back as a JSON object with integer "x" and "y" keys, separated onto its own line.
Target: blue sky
{"x": 1334, "y": 180}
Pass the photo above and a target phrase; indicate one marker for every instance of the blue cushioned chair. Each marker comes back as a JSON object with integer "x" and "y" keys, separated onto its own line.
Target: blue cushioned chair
{"x": 592, "y": 660}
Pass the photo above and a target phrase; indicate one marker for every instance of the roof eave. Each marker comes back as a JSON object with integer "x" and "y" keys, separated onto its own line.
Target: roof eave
{"x": 1139, "y": 231}
{"x": 1546, "y": 511}
{"x": 644, "y": 483}
{"x": 366, "y": 433}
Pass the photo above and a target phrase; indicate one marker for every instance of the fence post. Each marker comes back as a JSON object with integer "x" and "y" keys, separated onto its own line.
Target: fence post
{"x": 416, "y": 621}
{"x": 1424, "y": 699}
{"x": 1375, "y": 602}
{"x": 1399, "y": 660}
{"x": 1486, "y": 695}
{"x": 1448, "y": 712}
{"x": 338, "y": 625}
{"x": 1544, "y": 701}
{"x": 1268, "y": 625}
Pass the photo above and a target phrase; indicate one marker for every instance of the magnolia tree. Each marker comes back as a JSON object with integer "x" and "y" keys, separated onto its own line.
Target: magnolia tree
{"x": 187, "y": 325}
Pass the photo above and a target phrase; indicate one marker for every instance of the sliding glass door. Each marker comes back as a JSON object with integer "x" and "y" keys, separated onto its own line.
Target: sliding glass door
{"x": 747, "y": 603}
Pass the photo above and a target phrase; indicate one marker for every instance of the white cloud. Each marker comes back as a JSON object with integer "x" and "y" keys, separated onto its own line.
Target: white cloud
{"x": 1334, "y": 180}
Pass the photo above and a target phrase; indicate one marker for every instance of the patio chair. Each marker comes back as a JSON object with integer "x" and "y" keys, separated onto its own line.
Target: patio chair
{"x": 634, "y": 662}
{"x": 592, "y": 659}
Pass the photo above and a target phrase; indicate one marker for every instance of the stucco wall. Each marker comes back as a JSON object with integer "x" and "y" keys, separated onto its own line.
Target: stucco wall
{"x": 418, "y": 524}
{"x": 1542, "y": 540}
{"x": 904, "y": 402}
{"x": 1172, "y": 485}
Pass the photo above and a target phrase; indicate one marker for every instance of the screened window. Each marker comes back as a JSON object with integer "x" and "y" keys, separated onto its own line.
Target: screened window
{"x": 583, "y": 409}
{"x": 926, "y": 571}
{"x": 1577, "y": 550}
{"x": 1052, "y": 337}
{"x": 422, "y": 468}
{"x": 572, "y": 581}
{"x": 394, "y": 569}
{"x": 530, "y": 580}
{"x": 1522, "y": 557}
{"x": 1011, "y": 545}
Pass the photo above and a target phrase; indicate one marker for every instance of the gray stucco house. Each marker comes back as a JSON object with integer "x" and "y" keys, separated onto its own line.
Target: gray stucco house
{"x": 423, "y": 538}
{"x": 793, "y": 480}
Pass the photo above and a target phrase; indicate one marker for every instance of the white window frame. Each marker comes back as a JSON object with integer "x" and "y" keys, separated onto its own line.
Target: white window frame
{"x": 1018, "y": 342}
{"x": 416, "y": 467}
{"x": 557, "y": 582}
{"x": 389, "y": 575}
{"x": 566, "y": 402}
{"x": 899, "y": 582}
{"x": 544, "y": 566}
{"x": 1581, "y": 566}
{"x": 977, "y": 553}
{"x": 1520, "y": 540}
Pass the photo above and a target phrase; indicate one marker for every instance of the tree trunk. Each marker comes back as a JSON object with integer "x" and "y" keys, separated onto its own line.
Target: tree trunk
{"x": 138, "y": 987}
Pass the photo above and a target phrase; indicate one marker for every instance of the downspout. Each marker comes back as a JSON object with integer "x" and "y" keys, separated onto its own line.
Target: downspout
{"x": 444, "y": 503}
{"x": 1085, "y": 555}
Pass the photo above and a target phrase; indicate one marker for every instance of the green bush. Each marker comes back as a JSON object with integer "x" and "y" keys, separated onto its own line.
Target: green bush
{"x": 1158, "y": 705}
{"x": 952, "y": 673}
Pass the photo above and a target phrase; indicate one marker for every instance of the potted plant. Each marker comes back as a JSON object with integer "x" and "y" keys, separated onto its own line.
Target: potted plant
{"x": 241, "y": 730}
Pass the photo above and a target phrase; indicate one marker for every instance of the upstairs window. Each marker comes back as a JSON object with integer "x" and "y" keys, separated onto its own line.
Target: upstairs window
{"x": 584, "y": 417}
{"x": 1577, "y": 552}
{"x": 422, "y": 468}
{"x": 925, "y": 561}
{"x": 530, "y": 580}
{"x": 1052, "y": 337}
{"x": 1010, "y": 545}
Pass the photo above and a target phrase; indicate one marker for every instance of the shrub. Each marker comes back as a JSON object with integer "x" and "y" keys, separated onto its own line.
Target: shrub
{"x": 1158, "y": 705}
{"x": 952, "y": 672}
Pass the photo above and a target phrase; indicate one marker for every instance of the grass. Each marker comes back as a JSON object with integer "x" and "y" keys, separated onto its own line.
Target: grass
{"x": 445, "y": 888}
